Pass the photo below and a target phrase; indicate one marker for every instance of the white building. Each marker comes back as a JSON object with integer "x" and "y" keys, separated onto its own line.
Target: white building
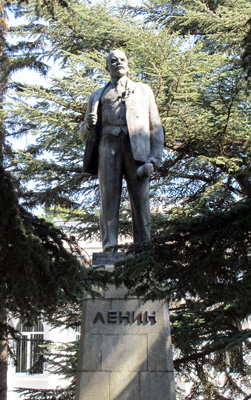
{"x": 30, "y": 371}
{"x": 22, "y": 373}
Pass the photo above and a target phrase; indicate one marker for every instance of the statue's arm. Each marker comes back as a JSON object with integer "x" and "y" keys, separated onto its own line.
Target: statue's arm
{"x": 83, "y": 131}
{"x": 85, "y": 127}
{"x": 91, "y": 115}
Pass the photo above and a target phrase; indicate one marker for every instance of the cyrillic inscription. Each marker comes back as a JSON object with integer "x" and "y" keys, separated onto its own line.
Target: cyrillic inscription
{"x": 128, "y": 317}
{"x": 98, "y": 316}
{"x": 112, "y": 316}
{"x": 124, "y": 317}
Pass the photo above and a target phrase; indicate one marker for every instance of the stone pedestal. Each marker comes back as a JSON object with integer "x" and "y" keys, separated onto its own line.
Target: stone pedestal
{"x": 125, "y": 350}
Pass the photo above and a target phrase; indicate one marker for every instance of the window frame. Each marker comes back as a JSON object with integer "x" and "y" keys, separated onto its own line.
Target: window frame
{"x": 28, "y": 359}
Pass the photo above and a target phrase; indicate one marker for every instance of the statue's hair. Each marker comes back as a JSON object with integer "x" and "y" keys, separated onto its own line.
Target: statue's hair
{"x": 109, "y": 56}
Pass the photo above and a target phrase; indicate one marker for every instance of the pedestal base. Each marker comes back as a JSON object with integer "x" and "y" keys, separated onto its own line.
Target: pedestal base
{"x": 125, "y": 350}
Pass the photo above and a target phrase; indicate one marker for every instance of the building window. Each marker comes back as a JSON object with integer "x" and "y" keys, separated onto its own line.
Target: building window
{"x": 29, "y": 353}
{"x": 78, "y": 333}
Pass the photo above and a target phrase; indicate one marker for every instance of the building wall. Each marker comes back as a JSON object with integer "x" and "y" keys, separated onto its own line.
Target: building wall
{"x": 46, "y": 380}
{"x": 55, "y": 335}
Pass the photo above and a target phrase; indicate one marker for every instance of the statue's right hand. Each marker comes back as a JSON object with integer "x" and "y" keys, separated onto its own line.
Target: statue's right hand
{"x": 91, "y": 119}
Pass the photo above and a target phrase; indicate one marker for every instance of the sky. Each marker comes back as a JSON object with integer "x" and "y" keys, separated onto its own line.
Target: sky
{"x": 30, "y": 76}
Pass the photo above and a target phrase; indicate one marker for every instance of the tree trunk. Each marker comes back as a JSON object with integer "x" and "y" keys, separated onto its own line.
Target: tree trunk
{"x": 3, "y": 77}
{"x": 3, "y": 357}
{"x": 3, "y": 84}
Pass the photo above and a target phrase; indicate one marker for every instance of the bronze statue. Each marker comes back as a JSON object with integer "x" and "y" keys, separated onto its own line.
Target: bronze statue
{"x": 122, "y": 123}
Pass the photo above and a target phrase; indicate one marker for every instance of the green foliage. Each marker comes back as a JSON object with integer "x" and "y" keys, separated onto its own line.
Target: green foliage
{"x": 246, "y": 56}
{"x": 38, "y": 263}
{"x": 39, "y": 6}
{"x": 220, "y": 272}
{"x": 40, "y": 266}
{"x": 61, "y": 359}
{"x": 202, "y": 265}
{"x": 48, "y": 394}
{"x": 191, "y": 53}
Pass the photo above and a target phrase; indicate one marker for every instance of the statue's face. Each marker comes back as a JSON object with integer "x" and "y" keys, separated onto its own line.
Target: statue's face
{"x": 117, "y": 64}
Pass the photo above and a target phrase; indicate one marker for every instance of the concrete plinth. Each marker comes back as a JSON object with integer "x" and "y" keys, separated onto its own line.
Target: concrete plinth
{"x": 125, "y": 350}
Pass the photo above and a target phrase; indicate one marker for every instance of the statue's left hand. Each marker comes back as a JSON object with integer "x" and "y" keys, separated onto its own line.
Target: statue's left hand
{"x": 145, "y": 170}
{"x": 92, "y": 119}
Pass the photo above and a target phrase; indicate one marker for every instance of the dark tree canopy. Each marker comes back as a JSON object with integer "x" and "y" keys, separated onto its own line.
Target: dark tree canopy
{"x": 195, "y": 56}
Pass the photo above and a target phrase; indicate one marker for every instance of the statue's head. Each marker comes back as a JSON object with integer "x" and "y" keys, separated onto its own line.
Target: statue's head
{"x": 117, "y": 64}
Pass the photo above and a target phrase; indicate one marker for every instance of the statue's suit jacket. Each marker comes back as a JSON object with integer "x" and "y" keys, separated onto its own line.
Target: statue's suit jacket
{"x": 143, "y": 121}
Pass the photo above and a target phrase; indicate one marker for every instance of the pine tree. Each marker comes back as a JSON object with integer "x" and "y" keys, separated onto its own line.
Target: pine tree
{"x": 206, "y": 112}
{"x": 190, "y": 52}
{"x": 39, "y": 274}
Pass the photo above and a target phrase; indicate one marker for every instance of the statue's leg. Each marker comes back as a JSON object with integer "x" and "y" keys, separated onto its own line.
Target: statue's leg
{"x": 138, "y": 189}
{"x": 141, "y": 216}
{"x": 110, "y": 184}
